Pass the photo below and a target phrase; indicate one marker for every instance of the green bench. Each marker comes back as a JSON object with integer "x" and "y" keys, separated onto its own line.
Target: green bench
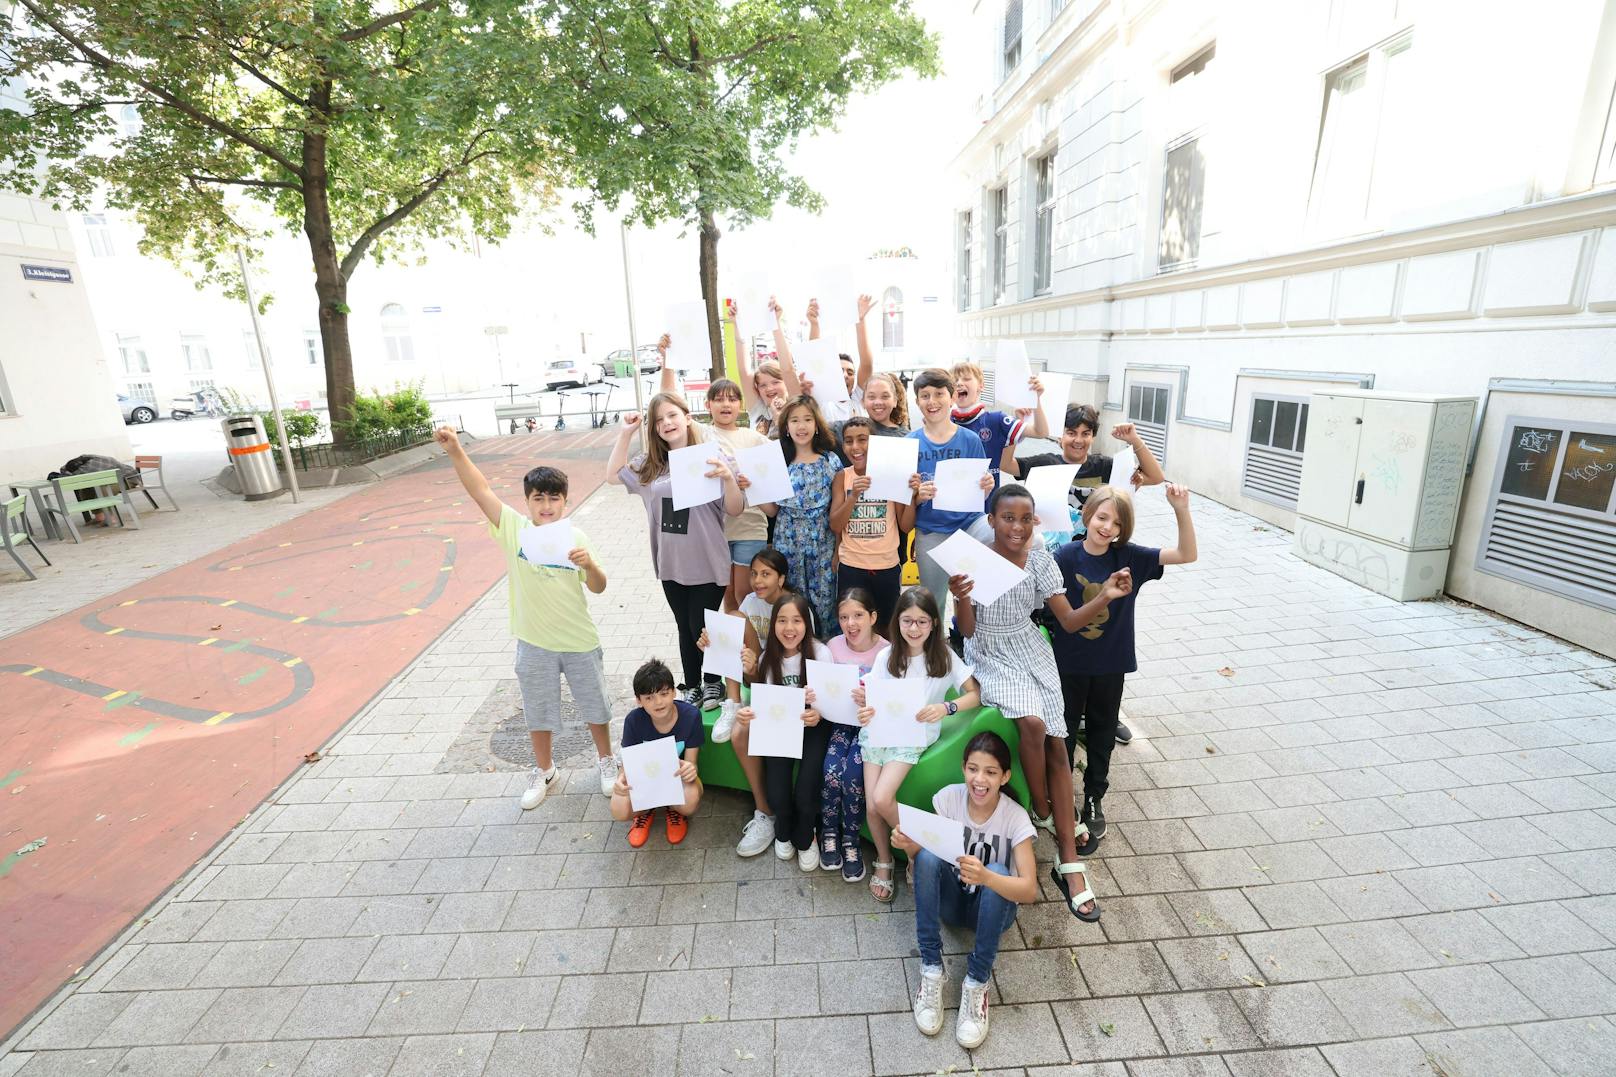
{"x": 13, "y": 530}
{"x": 110, "y": 494}
{"x": 938, "y": 767}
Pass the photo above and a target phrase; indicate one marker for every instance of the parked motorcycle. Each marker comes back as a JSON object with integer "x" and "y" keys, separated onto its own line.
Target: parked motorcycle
{"x": 200, "y": 402}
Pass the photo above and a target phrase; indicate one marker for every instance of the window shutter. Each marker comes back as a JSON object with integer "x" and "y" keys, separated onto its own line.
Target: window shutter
{"x": 1012, "y": 23}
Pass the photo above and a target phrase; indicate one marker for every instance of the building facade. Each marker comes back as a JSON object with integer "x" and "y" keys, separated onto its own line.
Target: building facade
{"x": 1206, "y": 212}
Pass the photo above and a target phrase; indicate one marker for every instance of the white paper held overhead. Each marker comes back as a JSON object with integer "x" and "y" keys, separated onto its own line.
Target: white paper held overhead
{"x": 1012, "y": 371}
{"x": 689, "y": 346}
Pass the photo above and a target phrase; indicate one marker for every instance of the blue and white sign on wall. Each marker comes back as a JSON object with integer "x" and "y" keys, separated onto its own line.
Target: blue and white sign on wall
{"x": 54, "y": 274}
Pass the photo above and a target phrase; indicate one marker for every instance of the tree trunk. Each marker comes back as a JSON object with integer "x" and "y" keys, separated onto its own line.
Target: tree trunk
{"x": 709, "y": 289}
{"x": 330, "y": 286}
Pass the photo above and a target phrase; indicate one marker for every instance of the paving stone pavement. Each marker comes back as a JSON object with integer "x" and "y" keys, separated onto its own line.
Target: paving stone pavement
{"x": 1351, "y": 837}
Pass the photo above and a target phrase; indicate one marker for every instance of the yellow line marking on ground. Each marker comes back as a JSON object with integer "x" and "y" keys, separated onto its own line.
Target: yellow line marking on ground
{"x": 131, "y": 602}
{"x": 290, "y": 662}
{"x": 299, "y": 620}
{"x": 113, "y": 631}
{"x": 393, "y": 528}
{"x": 448, "y": 540}
{"x": 446, "y": 568}
{"x": 36, "y": 669}
{"x": 217, "y": 718}
{"x": 232, "y": 602}
{"x": 210, "y": 641}
{"x": 115, "y": 695}
{"x": 412, "y": 611}
{"x": 233, "y": 568}
{"x": 284, "y": 545}
{"x": 361, "y": 542}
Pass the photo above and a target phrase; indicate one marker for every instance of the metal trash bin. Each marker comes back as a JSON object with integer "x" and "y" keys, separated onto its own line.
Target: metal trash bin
{"x": 248, "y": 445}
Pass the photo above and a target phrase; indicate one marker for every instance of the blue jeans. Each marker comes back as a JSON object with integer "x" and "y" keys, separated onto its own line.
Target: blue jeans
{"x": 940, "y": 896}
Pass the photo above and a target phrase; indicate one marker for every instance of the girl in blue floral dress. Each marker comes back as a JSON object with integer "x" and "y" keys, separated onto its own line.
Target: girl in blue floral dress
{"x": 802, "y": 523}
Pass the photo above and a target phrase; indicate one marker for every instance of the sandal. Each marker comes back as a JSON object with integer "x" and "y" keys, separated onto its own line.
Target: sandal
{"x": 1087, "y": 843}
{"x": 883, "y": 889}
{"x": 1073, "y": 901}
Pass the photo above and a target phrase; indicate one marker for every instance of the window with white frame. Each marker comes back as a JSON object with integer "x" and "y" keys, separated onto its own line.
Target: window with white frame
{"x": 892, "y": 319}
{"x": 200, "y": 384}
{"x": 99, "y": 235}
{"x": 7, "y": 405}
{"x": 312, "y": 352}
{"x": 1043, "y": 246}
{"x": 133, "y": 356}
{"x": 965, "y": 260}
{"x": 1605, "y": 167}
{"x": 1001, "y": 240}
{"x": 400, "y": 346}
{"x": 249, "y": 347}
{"x": 1011, "y": 50}
{"x": 1551, "y": 520}
{"x": 194, "y": 350}
{"x": 1184, "y": 163}
{"x": 1147, "y": 410}
{"x": 1274, "y": 444}
{"x": 1362, "y": 165}
{"x": 141, "y": 390}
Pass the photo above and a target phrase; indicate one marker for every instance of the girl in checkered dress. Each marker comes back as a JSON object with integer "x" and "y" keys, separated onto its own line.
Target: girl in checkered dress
{"x": 1016, "y": 669}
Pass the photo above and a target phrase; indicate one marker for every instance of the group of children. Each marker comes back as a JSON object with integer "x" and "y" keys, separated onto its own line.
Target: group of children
{"x": 817, "y": 577}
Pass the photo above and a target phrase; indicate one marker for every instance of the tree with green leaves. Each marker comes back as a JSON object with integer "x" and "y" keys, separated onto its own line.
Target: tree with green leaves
{"x": 684, "y": 106}
{"x": 367, "y": 125}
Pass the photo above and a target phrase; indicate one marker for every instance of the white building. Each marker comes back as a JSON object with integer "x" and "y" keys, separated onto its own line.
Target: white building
{"x": 1208, "y": 211}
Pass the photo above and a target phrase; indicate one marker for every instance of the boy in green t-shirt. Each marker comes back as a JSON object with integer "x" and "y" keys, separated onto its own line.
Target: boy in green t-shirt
{"x": 549, "y": 616}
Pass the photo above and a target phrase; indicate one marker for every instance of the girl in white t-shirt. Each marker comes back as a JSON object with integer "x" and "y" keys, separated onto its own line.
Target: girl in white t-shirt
{"x": 841, "y": 803}
{"x": 980, "y": 891}
{"x": 919, "y": 651}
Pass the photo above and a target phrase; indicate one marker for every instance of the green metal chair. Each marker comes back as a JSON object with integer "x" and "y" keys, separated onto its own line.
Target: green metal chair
{"x": 13, "y": 530}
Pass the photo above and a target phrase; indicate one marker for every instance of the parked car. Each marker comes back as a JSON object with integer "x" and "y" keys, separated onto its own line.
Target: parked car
{"x": 136, "y": 411}
{"x": 569, "y": 373}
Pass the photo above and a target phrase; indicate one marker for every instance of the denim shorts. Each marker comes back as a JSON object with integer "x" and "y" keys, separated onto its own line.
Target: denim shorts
{"x": 741, "y": 551}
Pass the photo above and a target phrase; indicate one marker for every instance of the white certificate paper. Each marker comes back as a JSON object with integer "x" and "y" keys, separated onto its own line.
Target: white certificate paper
{"x": 547, "y": 544}
{"x": 891, "y": 463}
{"x": 1123, "y": 465}
{"x": 991, "y": 575}
{"x": 752, "y": 314}
{"x": 833, "y": 686}
{"x": 652, "y": 772}
{"x": 689, "y": 346}
{"x": 943, "y": 838}
{"x": 765, "y": 466}
{"x": 1049, "y": 486}
{"x": 838, "y": 299}
{"x": 688, "y": 467}
{"x": 958, "y": 485}
{"x": 726, "y": 633}
{"x": 1011, "y": 374}
{"x": 776, "y": 727}
{"x": 896, "y": 702}
{"x": 817, "y": 361}
{"x": 1057, "y": 394}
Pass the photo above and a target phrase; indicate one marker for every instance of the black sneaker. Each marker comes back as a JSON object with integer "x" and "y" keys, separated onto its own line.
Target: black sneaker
{"x": 691, "y": 696}
{"x": 711, "y": 695}
{"x": 1124, "y": 734}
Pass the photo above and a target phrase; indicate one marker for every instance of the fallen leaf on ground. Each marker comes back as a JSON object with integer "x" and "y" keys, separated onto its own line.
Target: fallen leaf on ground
{"x": 1226, "y": 671}
{"x": 311, "y": 757}
{"x": 1107, "y": 1028}
{"x": 32, "y": 847}
{"x": 1211, "y": 750}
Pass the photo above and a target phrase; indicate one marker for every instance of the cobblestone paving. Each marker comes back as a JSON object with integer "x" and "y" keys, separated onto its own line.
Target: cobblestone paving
{"x": 1352, "y": 837}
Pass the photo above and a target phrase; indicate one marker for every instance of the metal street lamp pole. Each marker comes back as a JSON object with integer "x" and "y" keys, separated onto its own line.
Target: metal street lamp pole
{"x": 269, "y": 373}
{"x": 633, "y": 341}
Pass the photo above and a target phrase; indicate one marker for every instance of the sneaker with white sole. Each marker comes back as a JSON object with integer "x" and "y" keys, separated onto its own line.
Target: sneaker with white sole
{"x": 971, "y": 1026}
{"x": 784, "y": 850}
{"x": 757, "y": 835}
{"x": 607, "y": 765}
{"x": 929, "y": 1002}
{"x": 537, "y": 788}
{"x": 724, "y": 724}
{"x": 808, "y": 859}
{"x": 712, "y": 693}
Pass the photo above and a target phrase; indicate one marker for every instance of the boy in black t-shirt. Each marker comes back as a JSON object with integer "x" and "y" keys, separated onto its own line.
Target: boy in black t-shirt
{"x": 661, "y": 713}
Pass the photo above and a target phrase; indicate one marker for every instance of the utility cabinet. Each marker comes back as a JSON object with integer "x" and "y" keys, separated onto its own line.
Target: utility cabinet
{"x": 1381, "y": 479}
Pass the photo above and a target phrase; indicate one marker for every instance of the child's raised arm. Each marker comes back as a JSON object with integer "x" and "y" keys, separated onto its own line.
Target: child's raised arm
{"x": 866, "y": 360}
{"x": 1184, "y": 553}
{"x": 471, "y": 478}
{"x": 1008, "y": 462}
{"x": 619, "y": 456}
{"x": 788, "y": 369}
{"x": 1150, "y": 472}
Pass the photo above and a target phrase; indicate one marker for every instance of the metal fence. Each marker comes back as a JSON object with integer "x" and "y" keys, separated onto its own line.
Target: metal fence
{"x": 327, "y": 455}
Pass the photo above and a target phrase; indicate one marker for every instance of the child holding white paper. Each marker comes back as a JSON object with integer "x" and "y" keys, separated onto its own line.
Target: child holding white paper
{"x": 854, "y": 375}
{"x": 869, "y": 529}
{"x": 919, "y": 651}
{"x": 802, "y": 523}
{"x": 940, "y": 439}
{"x": 1082, "y": 426}
{"x": 997, "y": 429}
{"x": 660, "y": 714}
{"x": 981, "y": 891}
{"x": 793, "y": 787}
{"x": 748, "y": 532}
{"x": 555, "y": 635}
{"x": 1095, "y": 661}
{"x": 1017, "y": 669}
{"x": 841, "y": 808}
{"x": 688, "y": 548}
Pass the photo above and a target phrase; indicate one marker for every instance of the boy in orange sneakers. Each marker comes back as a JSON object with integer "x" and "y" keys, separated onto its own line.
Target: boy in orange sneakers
{"x": 661, "y": 713}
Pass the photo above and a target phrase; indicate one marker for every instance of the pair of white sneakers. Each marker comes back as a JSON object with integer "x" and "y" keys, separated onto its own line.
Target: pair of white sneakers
{"x": 540, "y": 783}
{"x": 971, "y": 1025}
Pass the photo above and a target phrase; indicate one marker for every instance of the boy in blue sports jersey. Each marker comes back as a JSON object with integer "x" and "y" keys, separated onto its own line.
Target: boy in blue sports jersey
{"x": 996, "y": 428}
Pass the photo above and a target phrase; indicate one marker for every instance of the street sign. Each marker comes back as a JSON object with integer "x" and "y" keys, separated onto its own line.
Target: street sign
{"x": 54, "y": 274}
